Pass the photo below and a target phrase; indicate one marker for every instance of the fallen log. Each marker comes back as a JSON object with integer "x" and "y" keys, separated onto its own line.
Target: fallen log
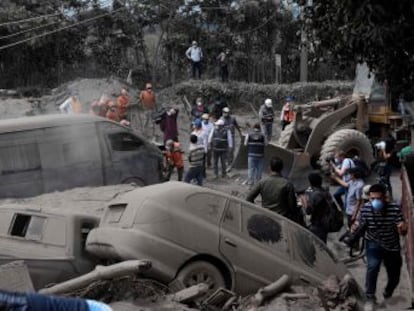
{"x": 268, "y": 291}
{"x": 189, "y": 294}
{"x": 100, "y": 273}
{"x": 295, "y": 296}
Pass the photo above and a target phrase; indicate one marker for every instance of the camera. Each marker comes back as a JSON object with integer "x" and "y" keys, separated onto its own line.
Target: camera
{"x": 330, "y": 159}
{"x": 350, "y": 238}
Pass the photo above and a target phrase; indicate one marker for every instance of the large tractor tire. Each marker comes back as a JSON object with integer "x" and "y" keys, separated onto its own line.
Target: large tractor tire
{"x": 286, "y": 135}
{"x": 351, "y": 141}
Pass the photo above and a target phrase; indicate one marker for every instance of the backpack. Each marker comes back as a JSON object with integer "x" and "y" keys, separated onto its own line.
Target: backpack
{"x": 159, "y": 115}
{"x": 362, "y": 167}
{"x": 335, "y": 216}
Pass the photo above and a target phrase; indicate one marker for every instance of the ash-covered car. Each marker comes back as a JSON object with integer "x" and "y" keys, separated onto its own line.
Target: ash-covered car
{"x": 194, "y": 234}
{"x": 51, "y": 243}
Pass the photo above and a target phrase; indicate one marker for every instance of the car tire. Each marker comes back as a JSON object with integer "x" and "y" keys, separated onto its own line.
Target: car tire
{"x": 201, "y": 272}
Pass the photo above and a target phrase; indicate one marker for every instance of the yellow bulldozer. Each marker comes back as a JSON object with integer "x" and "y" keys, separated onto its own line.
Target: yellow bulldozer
{"x": 353, "y": 124}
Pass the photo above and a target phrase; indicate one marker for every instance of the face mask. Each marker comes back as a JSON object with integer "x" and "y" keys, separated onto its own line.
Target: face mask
{"x": 377, "y": 204}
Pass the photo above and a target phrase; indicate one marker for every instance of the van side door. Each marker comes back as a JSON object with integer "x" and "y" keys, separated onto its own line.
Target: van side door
{"x": 70, "y": 156}
{"x": 20, "y": 164}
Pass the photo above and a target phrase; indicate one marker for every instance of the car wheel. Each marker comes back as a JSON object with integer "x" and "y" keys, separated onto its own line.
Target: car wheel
{"x": 201, "y": 272}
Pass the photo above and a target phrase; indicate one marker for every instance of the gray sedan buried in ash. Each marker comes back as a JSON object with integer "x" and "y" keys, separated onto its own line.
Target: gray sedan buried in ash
{"x": 193, "y": 234}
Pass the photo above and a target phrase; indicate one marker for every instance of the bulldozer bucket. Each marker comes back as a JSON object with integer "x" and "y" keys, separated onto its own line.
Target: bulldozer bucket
{"x": 296, "y": 166}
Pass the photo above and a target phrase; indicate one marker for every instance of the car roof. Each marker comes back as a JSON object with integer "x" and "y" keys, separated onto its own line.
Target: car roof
{"x": 51, "y": 120}
{"x": 167, "y": 191}
{"x": 19, "y": 208}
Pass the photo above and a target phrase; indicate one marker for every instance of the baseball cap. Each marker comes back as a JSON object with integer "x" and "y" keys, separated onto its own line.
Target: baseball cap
{"x": 197, "y": 123}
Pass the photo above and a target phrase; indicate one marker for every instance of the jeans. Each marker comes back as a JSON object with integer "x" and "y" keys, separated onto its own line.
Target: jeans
{"x": 224, "y": 73}
{"x": 267, "y": 130}
{"x": 338, "y": 196}
{"x": 254, "y": 169}
{"x": 195, "y": 173}
{"x": 219, "y": 155}
{"x": 320, "y": 231}
{"x": 180, "y": 171}
{"x": 230, "y": 155}
{"x": 196, "y": 67}
{"x": 392, "y": 262}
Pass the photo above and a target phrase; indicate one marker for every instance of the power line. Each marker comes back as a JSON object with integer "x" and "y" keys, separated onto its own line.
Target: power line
{"x": 57, "y": 30}
{"x": 257, "y": 27}
{"x": 27, "y": 30}
{"x": 28, "y": 19}
{"x": 34, "y": 28}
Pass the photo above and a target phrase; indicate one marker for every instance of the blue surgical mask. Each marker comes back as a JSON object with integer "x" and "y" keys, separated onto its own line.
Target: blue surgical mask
{"x": 377, "y": 204}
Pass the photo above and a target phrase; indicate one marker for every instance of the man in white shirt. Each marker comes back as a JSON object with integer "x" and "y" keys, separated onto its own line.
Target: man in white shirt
{"x": 207, "y": 127}
{"x": 195, "y": 55}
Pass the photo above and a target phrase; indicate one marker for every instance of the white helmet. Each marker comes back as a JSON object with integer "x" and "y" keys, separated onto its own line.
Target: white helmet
{"x": 268, "y": 103}
{"x": 226, "y": 110}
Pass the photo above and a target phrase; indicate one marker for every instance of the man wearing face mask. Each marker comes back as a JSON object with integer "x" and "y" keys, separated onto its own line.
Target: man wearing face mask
{"x": 383, "y": 223}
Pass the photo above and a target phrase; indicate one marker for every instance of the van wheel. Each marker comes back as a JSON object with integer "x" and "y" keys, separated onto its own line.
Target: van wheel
{"x": 134, "y": 180}
{"x": 201, "y": 272}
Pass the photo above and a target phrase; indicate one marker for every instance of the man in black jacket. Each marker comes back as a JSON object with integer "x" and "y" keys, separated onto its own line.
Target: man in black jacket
{"x": 278, "y": 194}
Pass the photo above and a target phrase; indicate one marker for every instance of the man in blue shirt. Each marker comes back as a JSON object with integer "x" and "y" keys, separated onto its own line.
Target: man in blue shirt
{"x": 340, "y": 168}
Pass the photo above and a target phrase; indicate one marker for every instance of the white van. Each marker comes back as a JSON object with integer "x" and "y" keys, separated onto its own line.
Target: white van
{"x": 56, "y": 152}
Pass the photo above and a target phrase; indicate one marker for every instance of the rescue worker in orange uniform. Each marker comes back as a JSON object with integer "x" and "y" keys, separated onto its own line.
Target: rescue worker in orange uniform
{"x": 147, "y": 98}
{"x": 123, "y": 103}
{"x": 112, "y": 113}
{"x": 287, "y": 115}
{"x": 174, "y": 158}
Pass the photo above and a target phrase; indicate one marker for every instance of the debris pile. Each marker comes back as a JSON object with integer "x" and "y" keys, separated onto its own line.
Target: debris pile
{"x": 123, "y": 286}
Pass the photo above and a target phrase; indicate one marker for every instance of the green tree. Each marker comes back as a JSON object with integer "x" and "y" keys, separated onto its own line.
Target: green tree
{"x": 379, "y": 33}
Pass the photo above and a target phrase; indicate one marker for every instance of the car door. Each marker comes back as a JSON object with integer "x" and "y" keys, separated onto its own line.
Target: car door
{"x": 255, "y": 244}
{"x": 312, "y": 259}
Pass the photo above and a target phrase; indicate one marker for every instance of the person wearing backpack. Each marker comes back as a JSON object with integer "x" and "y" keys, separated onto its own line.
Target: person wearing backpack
{"x": 318, "y": 207}
{"x": 354, "y": 198}
{"x": 340, "y": 168}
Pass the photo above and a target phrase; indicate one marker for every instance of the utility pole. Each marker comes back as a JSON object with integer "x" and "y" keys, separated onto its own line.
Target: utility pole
{"x": 303, "y": 48}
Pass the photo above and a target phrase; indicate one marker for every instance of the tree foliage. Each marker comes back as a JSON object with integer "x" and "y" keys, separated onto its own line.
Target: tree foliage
{"x": 94, "y": 38}
{"x": 379, "y": 33}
